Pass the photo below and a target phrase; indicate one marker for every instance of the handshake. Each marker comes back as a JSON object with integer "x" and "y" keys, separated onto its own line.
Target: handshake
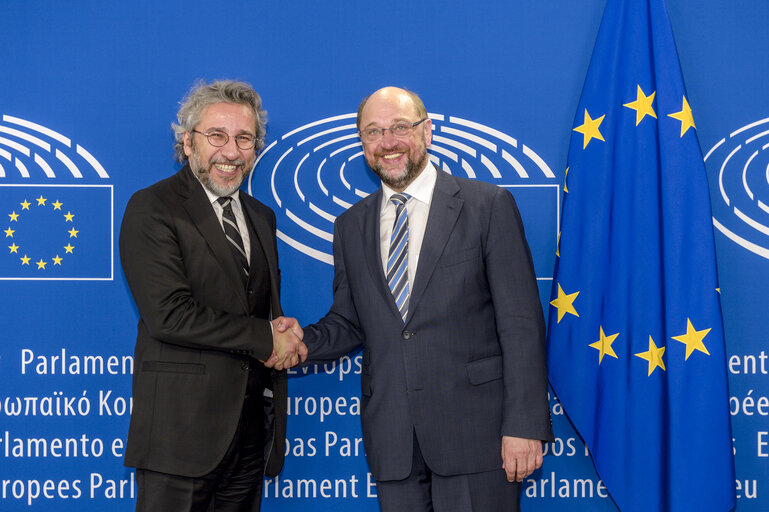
{"x": 287, "y": 345}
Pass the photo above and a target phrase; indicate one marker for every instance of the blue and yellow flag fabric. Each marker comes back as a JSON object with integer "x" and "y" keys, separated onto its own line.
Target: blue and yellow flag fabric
{"x": 635, "y": 342}
{"x": 56, "y": 232}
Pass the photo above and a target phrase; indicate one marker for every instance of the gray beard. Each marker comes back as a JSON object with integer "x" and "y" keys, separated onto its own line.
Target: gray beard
{"x": 203, "y": 174}
{"x": 411, "y": 171}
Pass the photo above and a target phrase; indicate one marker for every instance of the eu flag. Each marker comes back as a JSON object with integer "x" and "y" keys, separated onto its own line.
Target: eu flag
{"x": 635, "y": 339}
{"x": 56, "y": 232}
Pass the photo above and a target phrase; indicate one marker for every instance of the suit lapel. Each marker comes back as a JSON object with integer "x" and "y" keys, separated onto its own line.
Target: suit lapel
{"x": 264, "y": 237}
{"x": 204, "y": 218}
{"x": 370, "y": 233}
{"x": 445, "y": 207}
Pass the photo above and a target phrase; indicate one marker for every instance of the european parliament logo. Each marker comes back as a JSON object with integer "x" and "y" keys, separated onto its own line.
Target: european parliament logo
{"x": 739, "y": 178}
{"x": 316, "y": 171}
{"x": 52, "y": 228}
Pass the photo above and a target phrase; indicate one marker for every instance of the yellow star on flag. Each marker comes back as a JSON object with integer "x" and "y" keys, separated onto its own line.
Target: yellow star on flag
{"x": 41, "y": 200}
{"x": 654, "y": 356}
{"x": 57, "y": 260}
{"x": 9, "y": 233}
{"x": 693, "y": 339}
{"x": 685, "y": 116}
{"x": 41, "y": 264}
{"x": 558, "y": 245}
{"x": 642, "y": 106}
{"x": 73, "y": 233}
{"x": 25, "y": 205}
{"x": 603, "y": 346}
{"x": 69, "y": 217}
{"x": 14, "y": 216}
{"x": 25, "y": 260}
{"x": 57, "y": 205}
{"x": 565, "y": 176}
{"x": 564, "y": 303}
{"x": 590, "y": 129}
{"x": 69, "y": 248}
{"x": 14, "y": 248}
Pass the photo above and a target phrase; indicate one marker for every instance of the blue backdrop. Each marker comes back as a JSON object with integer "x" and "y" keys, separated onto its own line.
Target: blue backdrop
{"x": 88, "y": 93}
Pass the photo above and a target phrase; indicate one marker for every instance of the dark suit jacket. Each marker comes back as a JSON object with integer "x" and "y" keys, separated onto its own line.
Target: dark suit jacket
{"x": 196, "y": 334}
{"x": 468, "y": 366}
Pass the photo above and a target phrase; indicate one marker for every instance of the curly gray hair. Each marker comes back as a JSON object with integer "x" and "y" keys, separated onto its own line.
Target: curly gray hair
{"x": 219, "y": 91}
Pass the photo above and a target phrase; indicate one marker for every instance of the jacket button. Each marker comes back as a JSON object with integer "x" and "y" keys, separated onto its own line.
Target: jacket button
{"x": 245, "y": 366}
{"x": 408, "y": 334}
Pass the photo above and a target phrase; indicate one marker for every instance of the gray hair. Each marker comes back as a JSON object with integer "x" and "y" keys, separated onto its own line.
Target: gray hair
{"x": 219, "y": 91}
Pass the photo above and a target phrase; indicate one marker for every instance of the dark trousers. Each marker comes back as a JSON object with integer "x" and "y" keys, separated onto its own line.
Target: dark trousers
{"x": 424, "y": 491}
{"x": 235, "y": 485}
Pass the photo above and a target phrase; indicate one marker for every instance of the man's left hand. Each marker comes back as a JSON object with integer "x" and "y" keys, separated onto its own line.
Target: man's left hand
{"x": 520, "y": 457}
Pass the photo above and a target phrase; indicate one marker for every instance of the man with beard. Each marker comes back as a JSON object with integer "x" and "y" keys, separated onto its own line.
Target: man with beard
{"x": 200, "y": 258}
{"x": 434, "y": 279}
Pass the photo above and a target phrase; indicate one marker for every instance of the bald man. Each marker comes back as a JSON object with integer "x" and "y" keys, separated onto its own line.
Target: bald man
{"x": 434, "y": 279}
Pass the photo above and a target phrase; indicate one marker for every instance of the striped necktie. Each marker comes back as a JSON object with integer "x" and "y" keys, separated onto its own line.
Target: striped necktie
{"x": 398, "y": 256}
{"x": 232, "y": 233}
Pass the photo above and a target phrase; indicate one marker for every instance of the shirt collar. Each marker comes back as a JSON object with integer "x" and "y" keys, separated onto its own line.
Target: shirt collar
{"x": 420, "y": 189}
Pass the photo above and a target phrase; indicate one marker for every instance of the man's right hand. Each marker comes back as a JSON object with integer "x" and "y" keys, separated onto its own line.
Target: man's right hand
{"x": 287, "y": 345}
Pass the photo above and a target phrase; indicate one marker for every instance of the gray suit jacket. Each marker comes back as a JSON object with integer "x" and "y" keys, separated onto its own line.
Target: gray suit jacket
{"x": 197, "y": 335}
{"x": 468, "y": 366}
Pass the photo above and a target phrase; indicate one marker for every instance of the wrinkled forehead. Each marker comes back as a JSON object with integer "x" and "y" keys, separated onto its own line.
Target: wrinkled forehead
{"x": 225, "y": 114}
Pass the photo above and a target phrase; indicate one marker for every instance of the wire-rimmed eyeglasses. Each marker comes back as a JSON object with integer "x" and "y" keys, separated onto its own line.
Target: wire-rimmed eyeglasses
{"x": 399, "y": 130}
{"x": 219, "y": 139}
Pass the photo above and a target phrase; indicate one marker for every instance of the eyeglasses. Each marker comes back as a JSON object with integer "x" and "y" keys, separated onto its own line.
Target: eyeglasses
{"x": 219, "y": 139}
{"x": 399, "y": 130}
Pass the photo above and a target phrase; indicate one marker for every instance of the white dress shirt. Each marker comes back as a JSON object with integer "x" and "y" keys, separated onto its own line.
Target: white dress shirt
{"x": 240, "y": 218}
{"x": 418, "y": 208}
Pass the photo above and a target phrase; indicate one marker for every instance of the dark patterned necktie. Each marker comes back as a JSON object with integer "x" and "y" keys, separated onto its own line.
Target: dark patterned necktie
{"x": 398, "y": 256}
{"x": 232, "y": 233}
